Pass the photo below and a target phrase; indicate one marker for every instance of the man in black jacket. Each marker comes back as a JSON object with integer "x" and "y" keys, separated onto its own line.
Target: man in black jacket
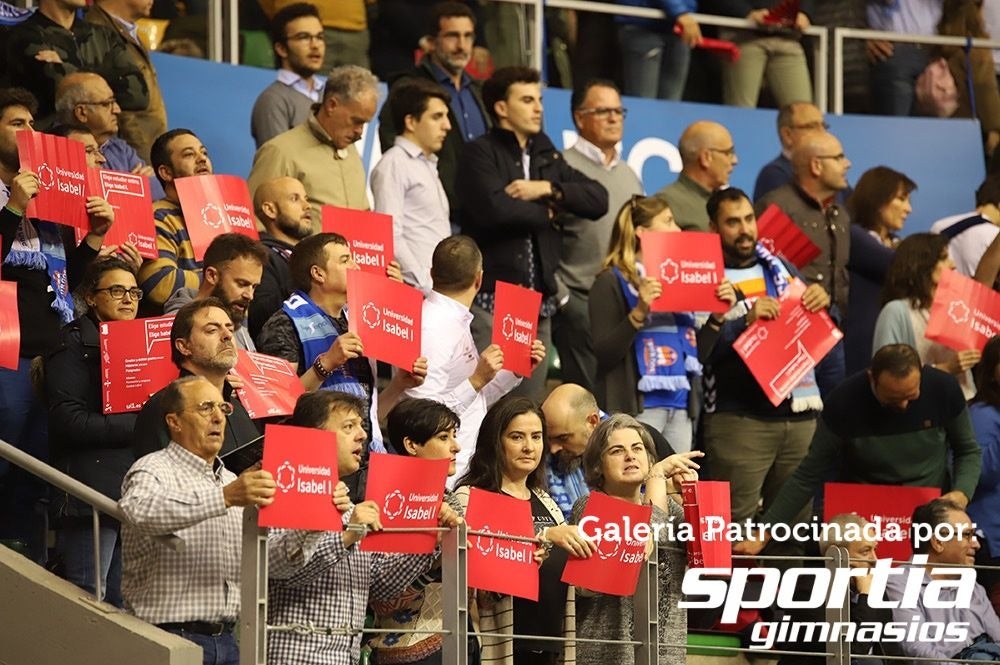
{"x": 513, "y": 186}
{"x": 453, "y": 27}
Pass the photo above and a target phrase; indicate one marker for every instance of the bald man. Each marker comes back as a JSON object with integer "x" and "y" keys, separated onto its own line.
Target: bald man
{"x": 282, "y": 207}
{"x": 571, "y": 415}
{"x": 819, "y": 168}
{"x": 85, "y": 98}
{"x": 708, "y": 157}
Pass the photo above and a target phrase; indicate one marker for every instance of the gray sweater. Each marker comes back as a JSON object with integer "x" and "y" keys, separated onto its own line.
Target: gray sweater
{"x": 278, "y": 109}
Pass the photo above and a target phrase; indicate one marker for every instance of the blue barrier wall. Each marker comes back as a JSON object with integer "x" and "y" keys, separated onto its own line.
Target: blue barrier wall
{"x": 941, "y": 156}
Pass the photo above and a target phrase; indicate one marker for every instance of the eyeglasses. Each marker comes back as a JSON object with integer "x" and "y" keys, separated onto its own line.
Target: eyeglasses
{"x": 305, "y": 37}
{"x": 208, "y": 407}
{"x": 841, "y": 157}
{"x": 818, "y": 124}
{"x": 107, "y": 103}
{"x": 728, "y": 152}
{"x": 117, "y": 292}
{"x": 605, "y": 112}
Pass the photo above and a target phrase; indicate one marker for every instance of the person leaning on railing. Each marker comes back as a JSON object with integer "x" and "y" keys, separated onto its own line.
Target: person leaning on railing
{"x": 88, "y": 444}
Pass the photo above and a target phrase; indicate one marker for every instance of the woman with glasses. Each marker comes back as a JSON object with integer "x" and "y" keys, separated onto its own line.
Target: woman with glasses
{"x": 88, "y": 444}
{"x": 907, "y": 295}
{"x": 510, "y": 459}
{"x": 645, "y": 360}
{"x": 620, "y": 461}
{"x": 879, "y": 207}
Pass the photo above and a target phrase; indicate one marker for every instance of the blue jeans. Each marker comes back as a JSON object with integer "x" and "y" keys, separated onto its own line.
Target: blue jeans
{"x": 893, "y": 80}
{"x": 655, "y": 62}
{"x": 216, "y": 650}
{"x": 75, "y": 544}
{"x": 23, "y": 424}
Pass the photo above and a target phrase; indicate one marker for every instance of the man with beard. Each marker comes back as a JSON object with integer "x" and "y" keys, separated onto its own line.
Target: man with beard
{"x": 233, "y": 266}
{"x": 453, "y": 34}
{"x": 571, "y": 415}
{"x": 282, "y": 207}
{"x": 201, "y": 341}
{"x": 297, "y": 35}
{"x": 176, "y": 154}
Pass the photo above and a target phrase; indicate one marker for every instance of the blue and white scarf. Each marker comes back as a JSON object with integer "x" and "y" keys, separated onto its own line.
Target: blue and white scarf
{"x": 39, "y": 246}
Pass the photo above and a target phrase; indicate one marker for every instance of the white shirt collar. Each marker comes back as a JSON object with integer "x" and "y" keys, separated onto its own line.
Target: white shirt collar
{"x": 293, "y": 80}
{"x": 413, "y": 150}
{"x": 456, "y": 308}
{"x": 595, "y": 154}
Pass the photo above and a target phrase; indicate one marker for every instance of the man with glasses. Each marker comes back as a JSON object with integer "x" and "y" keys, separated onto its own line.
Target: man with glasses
{"x": 186, "y": 490}
{"x": 86, "y": 98}
{"x": 708, "y": 157}
{"x": 795, "y": 120}
{"x": 819, "y": 173}
{"x": 201, "y": 341}
{"x": 297, "y": 35}
{"x": 600, "y": 122}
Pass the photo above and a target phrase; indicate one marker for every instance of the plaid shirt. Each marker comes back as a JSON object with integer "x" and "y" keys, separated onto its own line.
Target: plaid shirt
{"x": 312, "y": 577}
{"x": 175, "y": 491}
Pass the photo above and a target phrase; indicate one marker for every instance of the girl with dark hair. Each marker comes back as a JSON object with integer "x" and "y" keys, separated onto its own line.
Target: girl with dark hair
{"x": 985, "y": 413}
{"x": 906, "y": 300}
{"x": 425, "y": 429}
{"x": 879, "y": 206}
{"x": 510, "y": 459}
{"x": 88, "y": 444}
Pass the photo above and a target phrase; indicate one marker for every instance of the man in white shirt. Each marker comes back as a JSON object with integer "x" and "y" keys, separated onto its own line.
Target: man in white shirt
{"x": 466, "y": 382}
{"x": 405, "y": 182}
{"x": 186, "y": 490}
{"x": 297, "y": 34}
{"x": 970, "y": 233}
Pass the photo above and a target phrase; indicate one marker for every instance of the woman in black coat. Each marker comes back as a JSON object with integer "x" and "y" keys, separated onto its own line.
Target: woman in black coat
{"x": 88, "y": 444}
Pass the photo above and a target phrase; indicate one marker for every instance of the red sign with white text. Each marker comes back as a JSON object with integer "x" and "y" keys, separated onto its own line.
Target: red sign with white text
{"x": 782, "y": 237}
{"x": 303, "y": 461}
{"x": 515, "y": 325}
{"x": 369, "y": 234}
{"x": 615, "y": 568}
{"x": 497, "y": 564}
{"x": 689, "y": 266}
{"x": 10, "y": 326}
{"x": 707, "y": 509}
{"x": 885, "y": 503}
{"x": 213, "y": 205}
{"x": 135, "y": 361}
{"x": 270, "y": 385}
{"x": 386, "y": 315}
{"x": 965, "y": 314}
{"x": 61, "y": 167}
{"x": 129, "y": 195}
{"x": 781, "y": 352}
{"x": 408, "y": 492}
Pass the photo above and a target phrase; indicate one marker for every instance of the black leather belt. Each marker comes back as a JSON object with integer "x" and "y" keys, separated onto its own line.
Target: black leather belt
{"x": 200, "y": 627}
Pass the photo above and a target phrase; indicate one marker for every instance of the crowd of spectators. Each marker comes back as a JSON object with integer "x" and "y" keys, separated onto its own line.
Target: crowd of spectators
{"x": 478, "y": 194}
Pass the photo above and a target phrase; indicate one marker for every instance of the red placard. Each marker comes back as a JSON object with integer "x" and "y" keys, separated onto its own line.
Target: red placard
{"x": 689, "y": 266}
{"x": 213, "y": 205}
{"x": 881, "y": 504}
{"x": 270, "y": 385}
{"x": 783, "y": 13}
{"x": 615, "y": 568}
{"x": 707, "y": 509}
{"x": 727, "y": 49}
{"x": 497, "y": 564}
{"x": 408, "y": 492}
{"x": 386, "y": 314}
{"x": 515, "y": 325}
{"x": 303, "y": 461}
{"x": 780, "y": 352}
{"x": 782, "y": 237}
{"x": 135, "y": 361}
{"x": 369, "y": 234}
{"x": 129, "y": 195}
{"x": 10, "y": 326}
{"x": 61, "y": 167}
{"x": 965, "y": 314}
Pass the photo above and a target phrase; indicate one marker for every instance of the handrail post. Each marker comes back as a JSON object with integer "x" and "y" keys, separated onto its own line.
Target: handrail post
{"x": 232, "y": 32}
{"x": 837, "y": 557}
{"x": 253, "y": 591}
{"x": 538, "y": 36}
{"x": 838, "y": 71}
{"x": 645, "y": 613}
{"x": 454, "y": 597}
{"x": 215, "y": 30}
{"x": 99, "y": 590}
{"x": 822, "y": 84}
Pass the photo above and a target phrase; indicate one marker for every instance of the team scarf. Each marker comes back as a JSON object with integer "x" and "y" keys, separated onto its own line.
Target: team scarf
{"x": 39, "y": 246}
